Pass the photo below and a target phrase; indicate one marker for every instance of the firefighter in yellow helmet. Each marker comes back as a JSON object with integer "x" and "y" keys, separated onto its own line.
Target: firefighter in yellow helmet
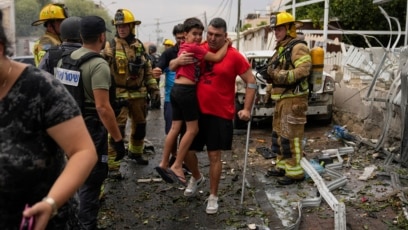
{"x": 132, "y": 71}
{"x": 288, "y": 71}
{"x": 168, "y": 43}
{"x": 51, "y": 17}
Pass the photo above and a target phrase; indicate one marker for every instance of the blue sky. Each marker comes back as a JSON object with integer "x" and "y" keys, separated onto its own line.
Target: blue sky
{"x": 171, "y": 12}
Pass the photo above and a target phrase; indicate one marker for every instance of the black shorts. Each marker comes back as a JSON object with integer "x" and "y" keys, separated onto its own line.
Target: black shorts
{"x": 214, "y": 132}
{"x": 184, "y": 102}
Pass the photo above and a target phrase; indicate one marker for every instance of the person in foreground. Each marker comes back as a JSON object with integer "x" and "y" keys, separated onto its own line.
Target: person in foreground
{"x": 38, "y": 117}
{"x": 98, "y": 113}
{"x": 290, "y": 90}
{"x": 216, "y": 98}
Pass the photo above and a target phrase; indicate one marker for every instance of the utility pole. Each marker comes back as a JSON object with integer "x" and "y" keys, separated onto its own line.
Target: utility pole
{"x": 158, "y": 31}
{"x": 238, "y": 23}
{"x": 205, "y": 24}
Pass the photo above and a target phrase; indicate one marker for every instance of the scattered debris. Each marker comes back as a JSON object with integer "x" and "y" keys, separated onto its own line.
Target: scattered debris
{"x": 149, "y": 180}
{"x": 368, "y": 172}
{"x": 266, "y": 152}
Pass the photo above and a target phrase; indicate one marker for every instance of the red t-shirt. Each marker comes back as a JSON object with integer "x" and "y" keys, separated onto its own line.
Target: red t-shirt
{"x": 216, "y": 88}
{"x": 189, "y": 71}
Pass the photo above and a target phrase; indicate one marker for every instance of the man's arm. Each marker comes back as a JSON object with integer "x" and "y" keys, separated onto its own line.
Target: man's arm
{"x": 163, "y": 63}
{"x": 106, "y": 114}
{"x": 249, "y": 79}
{"x": 219, "y": 55}
{"x": 182, "y": 59}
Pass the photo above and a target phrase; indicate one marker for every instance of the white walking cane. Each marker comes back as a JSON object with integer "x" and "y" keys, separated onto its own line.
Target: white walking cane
{"x": 246, "y": 149}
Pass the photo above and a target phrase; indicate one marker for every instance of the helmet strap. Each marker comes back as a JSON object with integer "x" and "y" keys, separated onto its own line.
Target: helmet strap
{"x": 53, "y": 28}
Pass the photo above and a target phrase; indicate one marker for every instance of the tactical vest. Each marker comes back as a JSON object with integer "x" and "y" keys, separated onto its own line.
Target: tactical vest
{"x": 54, "y": 55}
{"x": 69, "y": 73}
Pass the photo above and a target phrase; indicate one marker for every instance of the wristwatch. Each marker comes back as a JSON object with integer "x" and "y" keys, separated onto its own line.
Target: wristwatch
{"x": 53, "y": 204}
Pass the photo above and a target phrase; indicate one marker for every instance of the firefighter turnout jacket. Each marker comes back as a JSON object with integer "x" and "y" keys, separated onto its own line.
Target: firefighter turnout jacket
{"x": 289, "y": 78}
{"x": 41, "y": 46}
{"x": 131, "y": 69}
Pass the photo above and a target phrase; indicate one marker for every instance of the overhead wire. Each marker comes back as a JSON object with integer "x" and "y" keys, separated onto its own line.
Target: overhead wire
{"x": 228, "y": 16}
{"x": 218, "y": 9}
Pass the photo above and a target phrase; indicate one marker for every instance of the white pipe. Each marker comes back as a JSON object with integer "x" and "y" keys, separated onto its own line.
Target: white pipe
{"x": 406, "y": 27}
{"x": 325, "y": 24}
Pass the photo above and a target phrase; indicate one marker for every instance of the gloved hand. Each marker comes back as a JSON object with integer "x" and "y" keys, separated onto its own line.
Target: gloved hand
{"x": 280, "y": 76}
{"x": 155, "y": 95}
{"x": 262, "y": 70}
{"x": 119, "y": 147}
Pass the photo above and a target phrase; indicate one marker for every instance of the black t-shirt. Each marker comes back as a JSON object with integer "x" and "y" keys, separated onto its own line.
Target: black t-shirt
{"x": 168, "y": 55}
{"x": 30, "y": 160}
{"x": 154, "y": 58}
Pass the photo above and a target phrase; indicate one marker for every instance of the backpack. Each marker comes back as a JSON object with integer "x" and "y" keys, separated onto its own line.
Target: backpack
{"x": 69, "y": 73}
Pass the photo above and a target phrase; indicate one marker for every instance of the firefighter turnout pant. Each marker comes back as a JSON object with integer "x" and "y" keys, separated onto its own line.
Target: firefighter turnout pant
{"x": 136, "y": 111}
{"x": 288, "y": 127}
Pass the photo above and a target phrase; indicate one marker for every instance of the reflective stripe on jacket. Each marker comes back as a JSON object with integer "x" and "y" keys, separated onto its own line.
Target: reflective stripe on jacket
{"x": 43, "y": 44}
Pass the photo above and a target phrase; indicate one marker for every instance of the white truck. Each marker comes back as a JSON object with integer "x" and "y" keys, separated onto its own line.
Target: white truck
{"x": 320, "y": 98}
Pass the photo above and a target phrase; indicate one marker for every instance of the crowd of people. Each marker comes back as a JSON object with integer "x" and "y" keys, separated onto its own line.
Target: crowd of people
{"x": 73, "y": 130}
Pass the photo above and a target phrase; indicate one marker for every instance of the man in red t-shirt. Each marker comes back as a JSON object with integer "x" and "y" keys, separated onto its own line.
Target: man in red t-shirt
{"x": 184, "y": 100}
{"x": 216, "y": 98}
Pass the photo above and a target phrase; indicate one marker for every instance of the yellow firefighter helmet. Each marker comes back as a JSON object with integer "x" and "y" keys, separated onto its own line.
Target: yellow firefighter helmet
{"x": 124, "y": 16}
{"x": 168, "y": 42}
{"x": 51, "y": 12}
{"x": 285, "y": 18}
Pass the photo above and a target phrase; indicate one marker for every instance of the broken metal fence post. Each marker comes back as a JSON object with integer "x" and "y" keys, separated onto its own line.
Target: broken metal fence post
{"x": 338, "y": 207}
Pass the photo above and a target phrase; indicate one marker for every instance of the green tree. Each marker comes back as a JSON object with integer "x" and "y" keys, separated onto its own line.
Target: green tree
{"x": 262, "y": 23}
{"x": 28, "y": 12}
{"x": 245, "y": 27}
{"x": 356, "y": 15}
{"x": 88, "y": 7}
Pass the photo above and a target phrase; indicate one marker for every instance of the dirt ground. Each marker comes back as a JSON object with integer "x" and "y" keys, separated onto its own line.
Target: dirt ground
{"x": 139, "y": 200}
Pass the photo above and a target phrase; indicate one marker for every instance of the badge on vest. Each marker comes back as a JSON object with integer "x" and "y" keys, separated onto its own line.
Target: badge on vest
{"x": 67, "y": 77}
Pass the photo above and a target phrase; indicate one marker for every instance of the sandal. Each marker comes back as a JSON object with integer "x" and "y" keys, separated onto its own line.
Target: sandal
{"x": 165, "y": 174}
{"x": 179, "y": 179}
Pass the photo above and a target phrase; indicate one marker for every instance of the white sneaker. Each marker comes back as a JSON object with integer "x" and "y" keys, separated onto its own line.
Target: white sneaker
{"x": 193, "y": 185}
{"x": 212, "y": 205}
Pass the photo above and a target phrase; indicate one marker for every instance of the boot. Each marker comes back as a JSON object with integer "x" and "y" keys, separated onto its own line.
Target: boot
{"x": 138, "y": 158}
{"x": 287, "y": 181}
{"x": 276, "y": 172}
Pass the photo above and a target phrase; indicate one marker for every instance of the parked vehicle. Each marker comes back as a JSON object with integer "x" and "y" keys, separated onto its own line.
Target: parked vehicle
{"x": 29, "y": 59}
{"x": 320, "y": 98}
